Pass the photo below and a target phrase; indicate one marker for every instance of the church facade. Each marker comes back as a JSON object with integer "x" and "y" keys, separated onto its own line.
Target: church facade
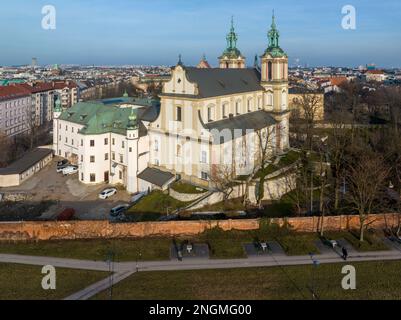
{"x": 212, "y": 117}
{"x": 207, "y": 118}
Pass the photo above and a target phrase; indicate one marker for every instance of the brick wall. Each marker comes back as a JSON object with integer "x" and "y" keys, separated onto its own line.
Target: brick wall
{"x": 103, "y": 229}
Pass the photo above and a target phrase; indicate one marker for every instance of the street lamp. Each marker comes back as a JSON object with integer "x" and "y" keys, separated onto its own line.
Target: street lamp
{"x": 315, "y": 263}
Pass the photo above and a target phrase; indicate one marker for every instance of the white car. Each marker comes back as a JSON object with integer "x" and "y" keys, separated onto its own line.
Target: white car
{"x": 70, "y": 170}
{"x": 107, "y": 193}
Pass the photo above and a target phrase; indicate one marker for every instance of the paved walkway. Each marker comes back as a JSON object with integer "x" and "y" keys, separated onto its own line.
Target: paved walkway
{"x": 125, "y": 269}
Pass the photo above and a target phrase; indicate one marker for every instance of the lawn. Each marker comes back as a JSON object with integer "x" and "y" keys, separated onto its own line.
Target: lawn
{"x": 184, "y": 187}
{"x": 99, "y": 250}
{"x": 375, "y": 280}
{"x": 22, "y": 282}
{"x": 156, "y": 203}
{"x": 288, "y": 159}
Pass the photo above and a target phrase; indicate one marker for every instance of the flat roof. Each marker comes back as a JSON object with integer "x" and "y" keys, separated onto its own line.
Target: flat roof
{"x": 26, "y": 162}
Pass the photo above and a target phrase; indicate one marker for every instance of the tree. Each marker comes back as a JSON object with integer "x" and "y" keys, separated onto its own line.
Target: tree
{"x": 366, "y": 174}
{"x": 308, "y": 106}
{"x": 338, "y": 140}
{"x": 222, "y": 179}
{"x": 264, "y": 152}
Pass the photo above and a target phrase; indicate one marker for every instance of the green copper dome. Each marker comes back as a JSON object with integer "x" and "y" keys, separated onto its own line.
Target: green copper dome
{"x": 132, "y": 120}
{"x": 274, "y": 48}
{"x": 231, "y": 51}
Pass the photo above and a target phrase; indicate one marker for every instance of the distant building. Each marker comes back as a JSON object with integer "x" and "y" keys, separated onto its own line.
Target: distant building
{"x": 375, "y": 75}
{"x": 203, "y": 64}
{"x": 16, "y": 114}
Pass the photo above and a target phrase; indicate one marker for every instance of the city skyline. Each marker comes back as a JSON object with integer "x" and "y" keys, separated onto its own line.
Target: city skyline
{"x": 142, "y": 33}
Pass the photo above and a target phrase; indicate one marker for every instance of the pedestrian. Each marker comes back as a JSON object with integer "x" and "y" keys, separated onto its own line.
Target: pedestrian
{"x": 345, "y": 253}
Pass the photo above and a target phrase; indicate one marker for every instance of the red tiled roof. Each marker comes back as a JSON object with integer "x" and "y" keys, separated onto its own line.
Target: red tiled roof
{"x": 13, "y": 92}
{"x": 336, "y": 81}
{"x": 375, "y": 71}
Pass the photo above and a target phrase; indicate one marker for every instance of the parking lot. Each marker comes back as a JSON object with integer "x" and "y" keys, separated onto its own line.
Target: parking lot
{"x": 68, "y": 192}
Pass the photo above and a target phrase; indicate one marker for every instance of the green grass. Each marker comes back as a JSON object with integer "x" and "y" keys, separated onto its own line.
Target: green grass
{"x": 371, "y": 243}
{"x": 375, "y": 280}
{"x": 184, "y": 187}
{"x": 230, "y": 205}
{"x": 125, "y": 250}
{"x": 156, "y": 202}
{"x": 22, "y": 282}
{"x": 299, "y": 244}
{"x": 288, "y": 159}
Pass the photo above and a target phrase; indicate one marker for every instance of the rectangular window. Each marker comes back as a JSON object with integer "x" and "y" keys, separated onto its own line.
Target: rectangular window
{"x": 204, "y": 175}
{"x": 92, "y": 159}
{"x": 122, "y": 144}
{"x": 203, "y": 157}
{"x": 92, "y": 143}
{"x": 106, "y": 156}
{"x": 82, "y": 143}
{"x": 130, "y": 149}
{"x": 93, "y": 177}
{"x": 113, "y": 141}
{"x": 82, "y": 176}
{"x": 120, "y": 175}
{"x": 106, "y": 141}
{"x": 113, "y": 156}
{"x": 82, "y": 158}
{"x": 178, "y": 115}
{"x": 121, "y": 158}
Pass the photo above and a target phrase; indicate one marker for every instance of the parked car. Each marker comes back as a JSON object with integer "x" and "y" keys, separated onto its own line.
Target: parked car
{"x": 62, "y": 163}
{"x": 118, "y": 210}
{"x": 70, "y": 170}
{"x": 137, "y": 196}
{"x": 107, "y": 193}
{"x": 66, "y": 215}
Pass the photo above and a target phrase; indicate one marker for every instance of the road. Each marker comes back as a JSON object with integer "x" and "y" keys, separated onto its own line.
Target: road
{"x": 123, "y": 270}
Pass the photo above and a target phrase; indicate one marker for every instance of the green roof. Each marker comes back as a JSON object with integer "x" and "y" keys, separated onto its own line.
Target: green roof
{"x": 98, "y": 118}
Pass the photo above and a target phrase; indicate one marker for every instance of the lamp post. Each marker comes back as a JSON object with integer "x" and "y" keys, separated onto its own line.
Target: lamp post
{"x": 110, "y": 261}
{"x": 315, "y": 263}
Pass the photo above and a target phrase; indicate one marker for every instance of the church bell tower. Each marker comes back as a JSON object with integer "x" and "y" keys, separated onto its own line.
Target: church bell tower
{"x": 232, "y": 57}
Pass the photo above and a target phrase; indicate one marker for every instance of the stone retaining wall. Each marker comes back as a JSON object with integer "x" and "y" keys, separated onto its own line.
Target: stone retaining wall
{"x": 185, "y": 197}
{"x": 54, "y": 230}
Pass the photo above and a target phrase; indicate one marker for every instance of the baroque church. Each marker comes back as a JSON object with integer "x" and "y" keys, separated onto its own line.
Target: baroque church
{"x": 206, "y": 118}
{"x": 202, "y": 106}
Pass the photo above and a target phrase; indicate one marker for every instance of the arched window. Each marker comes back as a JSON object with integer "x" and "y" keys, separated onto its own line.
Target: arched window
{"x": 283, "y": 99}
{"x": 210, "y": 113}
{"x": 225, "y": 110}
{"x": 269, "y": 71}
{"x": 259, "y": 103}
{"x": 269, "y": 99}
{"x": 249, "y": 105}
{"x": 238, "y": 107}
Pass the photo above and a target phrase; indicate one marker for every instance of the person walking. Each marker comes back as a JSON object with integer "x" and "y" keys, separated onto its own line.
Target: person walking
{"x": 345, "y": 253}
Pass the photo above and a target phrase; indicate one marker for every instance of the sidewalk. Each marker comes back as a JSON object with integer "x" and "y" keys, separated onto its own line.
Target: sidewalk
{"x": 126, "y": 269}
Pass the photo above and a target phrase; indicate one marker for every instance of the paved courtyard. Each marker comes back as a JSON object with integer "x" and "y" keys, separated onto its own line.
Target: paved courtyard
{"x": 68, "y": 192}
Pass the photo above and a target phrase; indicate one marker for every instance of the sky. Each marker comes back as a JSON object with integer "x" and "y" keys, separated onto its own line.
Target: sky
{"x": 155, "y": 32}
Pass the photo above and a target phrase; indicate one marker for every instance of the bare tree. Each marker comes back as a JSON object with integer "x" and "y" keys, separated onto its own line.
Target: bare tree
{"x": 366, "y": 174}
{"x": 308, "y": 106}
{"x": 222, "y": 178}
